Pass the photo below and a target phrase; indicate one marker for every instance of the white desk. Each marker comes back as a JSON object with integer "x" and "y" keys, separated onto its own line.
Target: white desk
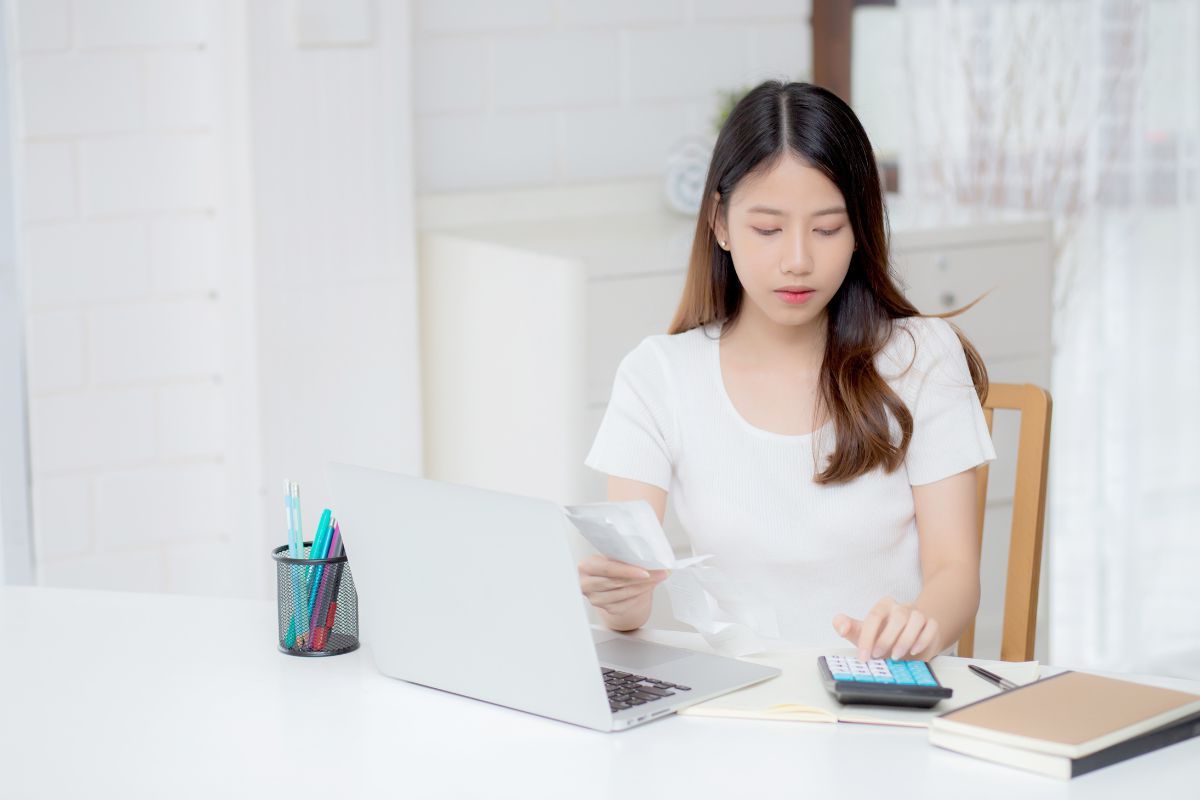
{"x": 141, "y": 695}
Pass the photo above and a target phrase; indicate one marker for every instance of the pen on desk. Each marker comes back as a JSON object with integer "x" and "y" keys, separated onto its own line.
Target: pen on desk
{"x": 991, "y": 677}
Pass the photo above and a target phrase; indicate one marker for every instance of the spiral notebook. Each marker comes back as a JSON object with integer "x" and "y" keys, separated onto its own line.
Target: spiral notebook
{"x": 798, "y": 695}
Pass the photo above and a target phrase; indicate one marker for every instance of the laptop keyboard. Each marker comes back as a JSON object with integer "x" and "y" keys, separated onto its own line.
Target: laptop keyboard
{"x": 626, "y": 690}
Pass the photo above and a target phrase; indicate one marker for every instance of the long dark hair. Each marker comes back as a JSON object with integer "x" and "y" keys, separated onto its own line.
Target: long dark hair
{"x": 814, "y": 124}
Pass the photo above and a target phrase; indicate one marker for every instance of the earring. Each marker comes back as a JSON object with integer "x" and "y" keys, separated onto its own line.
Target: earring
{"x": 722, "y": 243}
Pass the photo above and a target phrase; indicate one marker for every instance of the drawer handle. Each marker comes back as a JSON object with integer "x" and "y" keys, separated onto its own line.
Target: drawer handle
{"x": 948, "y": 299}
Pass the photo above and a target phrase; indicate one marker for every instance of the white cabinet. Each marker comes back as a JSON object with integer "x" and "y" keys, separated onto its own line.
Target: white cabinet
{"x": 634, "y": 254}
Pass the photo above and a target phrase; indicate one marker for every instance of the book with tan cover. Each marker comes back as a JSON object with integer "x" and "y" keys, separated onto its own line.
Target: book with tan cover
{"x": 1069, "y": 714}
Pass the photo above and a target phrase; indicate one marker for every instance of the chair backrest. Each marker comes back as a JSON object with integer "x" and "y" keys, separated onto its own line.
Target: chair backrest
{"x": 1028, "y": 517}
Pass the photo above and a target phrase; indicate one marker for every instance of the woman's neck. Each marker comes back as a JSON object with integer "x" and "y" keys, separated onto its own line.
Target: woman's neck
{"x": 764, "y": 342}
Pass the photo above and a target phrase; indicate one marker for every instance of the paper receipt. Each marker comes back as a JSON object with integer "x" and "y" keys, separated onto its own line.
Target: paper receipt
{"x": 701, "y": 595}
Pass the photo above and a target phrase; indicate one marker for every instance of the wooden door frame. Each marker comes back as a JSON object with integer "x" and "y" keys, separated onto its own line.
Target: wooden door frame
{"x": 832, "y": 24}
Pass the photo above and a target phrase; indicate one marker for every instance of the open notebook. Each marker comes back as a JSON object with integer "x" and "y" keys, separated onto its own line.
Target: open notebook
{"x": 798, "y": 694}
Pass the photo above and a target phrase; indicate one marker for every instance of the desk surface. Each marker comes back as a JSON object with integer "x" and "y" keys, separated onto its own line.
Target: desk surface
{"x": 158, "y": 695}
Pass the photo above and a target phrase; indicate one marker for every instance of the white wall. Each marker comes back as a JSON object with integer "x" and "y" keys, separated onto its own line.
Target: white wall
{"x": 535, "y": 92}
{"x": 339, "y": 373}
{"x": 16, "y": 546}
{"x": 124, "y": 197}
{"x": 213, "y": 223}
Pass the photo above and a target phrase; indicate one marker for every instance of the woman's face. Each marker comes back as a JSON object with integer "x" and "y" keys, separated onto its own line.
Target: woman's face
{"x": 787, "y": 229}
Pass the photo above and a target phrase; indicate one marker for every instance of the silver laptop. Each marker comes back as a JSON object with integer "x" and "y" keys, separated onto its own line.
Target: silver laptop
{"x": 476, "y": 592}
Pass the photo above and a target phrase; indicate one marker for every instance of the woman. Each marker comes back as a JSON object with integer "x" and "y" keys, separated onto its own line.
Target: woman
{"x": 817, "y": 435}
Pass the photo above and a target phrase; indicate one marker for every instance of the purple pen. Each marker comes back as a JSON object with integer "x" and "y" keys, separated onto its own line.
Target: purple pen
{"x": 320, "y": 607}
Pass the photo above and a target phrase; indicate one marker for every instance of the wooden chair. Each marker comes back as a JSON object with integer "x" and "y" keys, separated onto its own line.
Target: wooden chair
{"x": 1029, "y": 507}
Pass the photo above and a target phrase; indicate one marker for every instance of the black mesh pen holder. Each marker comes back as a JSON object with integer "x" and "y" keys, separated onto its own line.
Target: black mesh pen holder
{"x": 318, "y": 606}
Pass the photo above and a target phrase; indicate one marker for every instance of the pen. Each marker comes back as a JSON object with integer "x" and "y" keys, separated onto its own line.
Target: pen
{"x": 295, "y": 550}
{"x": 304, "y": 572}
{"x": 320, "y": 609}
{"x": 992, "y": 677}
{"x": 324, "y": 632}
{"x": 319, "y": 547}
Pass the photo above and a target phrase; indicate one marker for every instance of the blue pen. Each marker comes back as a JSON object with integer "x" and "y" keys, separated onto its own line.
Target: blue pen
{"x": 295, "y": 550}
{"x": 301, "y": 581}
{"x": 319, "y": 545}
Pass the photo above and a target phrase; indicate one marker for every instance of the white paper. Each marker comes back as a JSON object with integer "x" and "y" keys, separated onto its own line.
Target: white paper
{"x": 701, "y": 595}
{"x": 798, "y": 693}
{"x": 628, "y": 531}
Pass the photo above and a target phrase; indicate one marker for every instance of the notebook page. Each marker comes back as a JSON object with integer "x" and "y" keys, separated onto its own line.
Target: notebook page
{"x": 797, "y": 694}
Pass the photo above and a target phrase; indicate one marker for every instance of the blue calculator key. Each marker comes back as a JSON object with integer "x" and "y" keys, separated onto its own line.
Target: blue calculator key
{"x": 843, "y": 676}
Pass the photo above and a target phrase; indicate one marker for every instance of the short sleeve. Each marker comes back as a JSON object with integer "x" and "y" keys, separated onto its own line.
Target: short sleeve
{"x": 950, "y": 434}
{"x": 636, "y": 436}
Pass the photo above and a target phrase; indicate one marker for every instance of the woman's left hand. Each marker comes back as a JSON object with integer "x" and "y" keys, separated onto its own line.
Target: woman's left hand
{"x": 899, "y": 630}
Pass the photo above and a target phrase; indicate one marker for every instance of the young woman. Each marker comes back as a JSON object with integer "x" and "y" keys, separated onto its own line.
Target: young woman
{"x": 817, "y": 434}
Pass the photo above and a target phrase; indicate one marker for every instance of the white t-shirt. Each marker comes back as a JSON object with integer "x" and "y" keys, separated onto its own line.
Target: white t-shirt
{"x": 746, "y": 495}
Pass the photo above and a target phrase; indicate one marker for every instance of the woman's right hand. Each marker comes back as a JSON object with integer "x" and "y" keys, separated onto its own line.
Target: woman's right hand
{"x": 616, "y": 587}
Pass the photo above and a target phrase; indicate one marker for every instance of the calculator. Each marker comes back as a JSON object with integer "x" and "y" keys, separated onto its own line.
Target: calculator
{"x": 880, "y": 681}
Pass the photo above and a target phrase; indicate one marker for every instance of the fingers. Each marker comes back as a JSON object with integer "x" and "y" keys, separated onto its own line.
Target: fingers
{"x": 600, "y": 574}
{"x": 592, "y": 584}
{"x": 615, "y": 601}
{"x": 927, "y": 640}
{"x": 908, "y": 637}
{"x": 871, "y": 626}
{"x": 897, "y": 618}
{"x": 891, "y": 628}
{"x": 600, "y": 566}
{"x": 614, "y": 596}
{"x": 611, "y": 584}
{"x": 847, "y": 627}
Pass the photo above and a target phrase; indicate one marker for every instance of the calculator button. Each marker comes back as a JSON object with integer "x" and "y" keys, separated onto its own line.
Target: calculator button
{"x": 843, "y": 676}
{"x": 880, "y": 672}
{"x": 922, "y": 675}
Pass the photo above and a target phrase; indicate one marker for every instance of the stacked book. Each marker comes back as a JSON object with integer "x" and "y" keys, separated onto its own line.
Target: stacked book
{"x": 1069, "y": 723}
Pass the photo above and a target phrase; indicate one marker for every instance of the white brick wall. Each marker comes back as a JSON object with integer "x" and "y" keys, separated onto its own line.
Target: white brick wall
{"x": 122, "y": 153}
{"x": 535, "y": 92}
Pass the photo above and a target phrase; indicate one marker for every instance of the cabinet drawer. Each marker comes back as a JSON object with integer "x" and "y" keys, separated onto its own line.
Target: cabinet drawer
{"x": 1013, "y": 320}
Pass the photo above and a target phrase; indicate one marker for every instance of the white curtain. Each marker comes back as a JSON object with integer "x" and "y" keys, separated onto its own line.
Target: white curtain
{"x": 1089, "y": 111}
